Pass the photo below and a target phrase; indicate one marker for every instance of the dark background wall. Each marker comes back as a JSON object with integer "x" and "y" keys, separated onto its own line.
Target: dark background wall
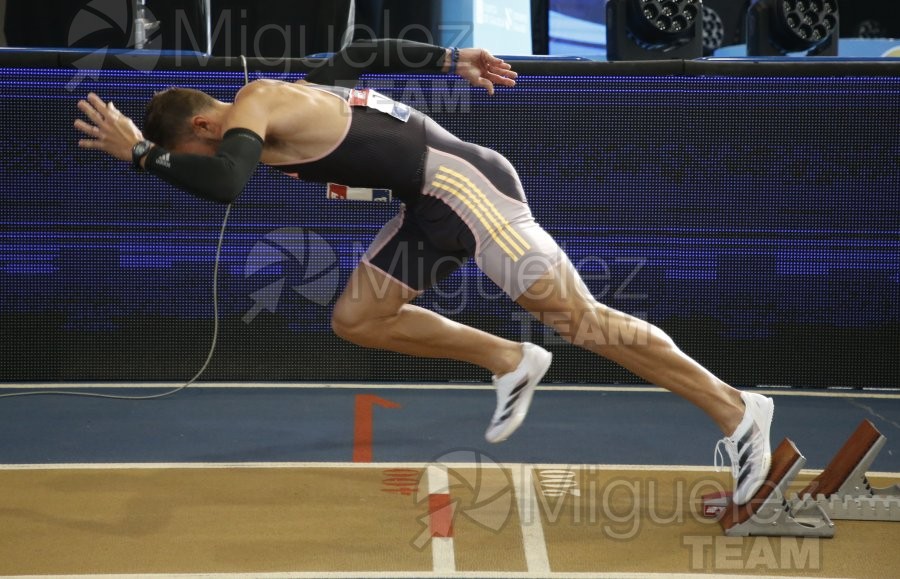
{"x": 266, "y": 28}
{"x": 870, "y": 18}
{"x": 755, "y": 219}
{"x": 49, "y": 23}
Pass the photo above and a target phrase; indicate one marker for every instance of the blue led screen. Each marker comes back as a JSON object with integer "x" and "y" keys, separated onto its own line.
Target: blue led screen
{"x": 757, "y": 220}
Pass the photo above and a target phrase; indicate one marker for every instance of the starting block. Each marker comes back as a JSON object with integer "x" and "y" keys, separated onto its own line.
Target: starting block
{"x": 843, "y": 490}
{"x": 769, "y": 513}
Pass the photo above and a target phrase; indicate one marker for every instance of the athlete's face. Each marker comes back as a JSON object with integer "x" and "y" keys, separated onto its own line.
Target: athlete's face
{"x": 196, "y": 146}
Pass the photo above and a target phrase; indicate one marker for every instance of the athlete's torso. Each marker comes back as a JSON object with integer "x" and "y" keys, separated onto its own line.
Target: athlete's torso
{"x": 302, "y": 121}
{"x": 375, "y": 150}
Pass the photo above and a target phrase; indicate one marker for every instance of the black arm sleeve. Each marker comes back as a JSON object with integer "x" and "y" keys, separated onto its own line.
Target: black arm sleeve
{"x": 220, "y": 178}
{"x": 387, "y": 55}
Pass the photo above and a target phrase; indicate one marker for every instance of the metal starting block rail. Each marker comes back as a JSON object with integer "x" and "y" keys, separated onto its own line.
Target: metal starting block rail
{"x": 769, "y": 513}
{"x": 843, "y": 490}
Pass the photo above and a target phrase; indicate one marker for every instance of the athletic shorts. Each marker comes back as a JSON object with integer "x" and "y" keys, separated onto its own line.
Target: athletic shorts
{"x": 471, "y": 205}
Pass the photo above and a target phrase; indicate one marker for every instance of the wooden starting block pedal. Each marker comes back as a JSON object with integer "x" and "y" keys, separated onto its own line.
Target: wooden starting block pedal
{"x": 769, "y": 513}
{"x": 843, "y": 490}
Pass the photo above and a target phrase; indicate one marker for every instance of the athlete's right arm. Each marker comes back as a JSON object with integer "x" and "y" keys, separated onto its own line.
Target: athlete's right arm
{"x": 220, "y": 177}
{"x": 223, "y": 176}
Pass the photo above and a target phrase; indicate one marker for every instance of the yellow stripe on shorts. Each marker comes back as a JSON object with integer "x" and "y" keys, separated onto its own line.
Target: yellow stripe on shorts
{"x": 502, "y": 227}
{"x": 468, "y": 181}
{"x": 462, "y": 197}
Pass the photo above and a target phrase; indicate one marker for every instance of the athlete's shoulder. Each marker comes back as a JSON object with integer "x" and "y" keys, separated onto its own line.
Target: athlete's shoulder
{"x": 261, "y": 89}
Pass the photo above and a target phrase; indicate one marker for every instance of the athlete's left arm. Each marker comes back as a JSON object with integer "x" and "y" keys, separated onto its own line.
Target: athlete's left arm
{"x": 476, "y": 65}
{"x": 220, "y": 177}
{"x": 481, "y": 68}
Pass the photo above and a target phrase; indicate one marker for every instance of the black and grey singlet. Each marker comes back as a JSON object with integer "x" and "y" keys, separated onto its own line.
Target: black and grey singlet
{"x": 460, "y": 200}
{"x": 378, "y": 152}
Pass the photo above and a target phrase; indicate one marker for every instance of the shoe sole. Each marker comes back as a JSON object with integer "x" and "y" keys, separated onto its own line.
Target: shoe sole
{"x": 521, "y": 410}
{"x": 765, "y": 406}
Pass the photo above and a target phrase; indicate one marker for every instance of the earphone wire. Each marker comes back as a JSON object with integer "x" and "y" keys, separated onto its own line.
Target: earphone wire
{"x": 215, "y": 335}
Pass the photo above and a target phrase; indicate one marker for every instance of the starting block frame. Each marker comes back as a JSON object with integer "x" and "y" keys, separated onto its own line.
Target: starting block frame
{"x": 769, "y": 513}
{"x": 843, "y": 490}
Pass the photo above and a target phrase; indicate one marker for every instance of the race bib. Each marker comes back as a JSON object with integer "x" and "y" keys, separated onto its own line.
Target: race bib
{"x": 343, "y": 192}
{"x": 374, "y": 100}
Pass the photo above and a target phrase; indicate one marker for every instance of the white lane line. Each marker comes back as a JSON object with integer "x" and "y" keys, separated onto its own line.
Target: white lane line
{"x": 536, "y": 558}
{"x": 443, "y": 554}
{"x": 379, "y": 465}
{"x": 404, "y": 575}
{"x": 873, "y": 393}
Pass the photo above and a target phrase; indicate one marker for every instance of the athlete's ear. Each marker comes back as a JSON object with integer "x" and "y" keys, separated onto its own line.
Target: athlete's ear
{"x": 203, "y": 126}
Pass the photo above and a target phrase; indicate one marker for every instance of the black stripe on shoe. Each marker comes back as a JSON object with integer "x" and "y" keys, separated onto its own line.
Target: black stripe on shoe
{"x": 514, "y": 394}
{"x": 744, "y": 448}
{"x": 519, "y": 386}
{"x": 745, "y": 440}
{"x": 511, "y": 402}
{"x": 745, "y": 470}
{"x": 513, "y": 397}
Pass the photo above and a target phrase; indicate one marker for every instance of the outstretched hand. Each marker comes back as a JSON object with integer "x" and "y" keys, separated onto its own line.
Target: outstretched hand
{"x": 111, "y": 131}
{"x": 481, "y": 68}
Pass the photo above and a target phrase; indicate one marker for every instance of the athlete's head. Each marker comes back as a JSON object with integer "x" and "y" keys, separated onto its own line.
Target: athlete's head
{"x": 171, "y": 117}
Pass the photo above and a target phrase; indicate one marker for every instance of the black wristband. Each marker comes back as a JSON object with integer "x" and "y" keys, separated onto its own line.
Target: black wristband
{"x": 454, "y": 59}
{"x": 138, "y": 151}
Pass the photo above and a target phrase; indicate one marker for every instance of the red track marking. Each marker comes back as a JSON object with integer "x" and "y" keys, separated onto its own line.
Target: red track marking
{"x": 440, "y": 510}
{"x": 362, "y": 425}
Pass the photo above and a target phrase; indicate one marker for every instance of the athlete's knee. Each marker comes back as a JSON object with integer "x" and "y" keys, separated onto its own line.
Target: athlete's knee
{"x": 363, "y": 323}
{"x": 350, "y": 322}
{"x": 353, "y": 329}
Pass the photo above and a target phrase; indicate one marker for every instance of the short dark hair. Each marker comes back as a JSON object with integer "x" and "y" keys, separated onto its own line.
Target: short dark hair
{"x": 166, "y": 121}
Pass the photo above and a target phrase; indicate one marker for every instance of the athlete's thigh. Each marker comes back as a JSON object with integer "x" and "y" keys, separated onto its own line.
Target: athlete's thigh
{"x": 412, "y": 251}
{"x": 485, "y": 196}
{"x": 558, "y": 289}
{"x": 371, "y": 293}
{"x": 399, "y": 265}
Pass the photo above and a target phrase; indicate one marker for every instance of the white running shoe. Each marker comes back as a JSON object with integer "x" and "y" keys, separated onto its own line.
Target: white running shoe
{"x": 748, "y": 448}
{"x": 515, "y": 390}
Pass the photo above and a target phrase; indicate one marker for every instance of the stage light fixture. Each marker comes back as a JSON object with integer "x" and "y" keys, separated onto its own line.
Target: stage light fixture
{"x": 653, "y": 29}
{"x": 779, "y": 27}
{"x": 724, "y": 24}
